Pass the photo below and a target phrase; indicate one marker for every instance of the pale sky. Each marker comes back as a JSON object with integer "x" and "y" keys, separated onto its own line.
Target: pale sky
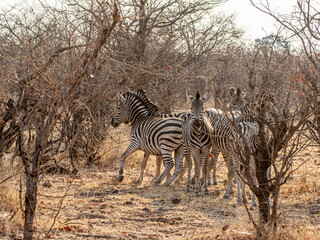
{"x": 255, "y": 23}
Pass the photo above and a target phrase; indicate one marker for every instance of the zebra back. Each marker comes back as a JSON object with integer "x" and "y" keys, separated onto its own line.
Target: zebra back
{"x": 153, "y": 109}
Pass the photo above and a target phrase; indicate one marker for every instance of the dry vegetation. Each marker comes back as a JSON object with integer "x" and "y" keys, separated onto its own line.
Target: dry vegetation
{"x": 93, "y": 205}
{"x": 61, "y": 68}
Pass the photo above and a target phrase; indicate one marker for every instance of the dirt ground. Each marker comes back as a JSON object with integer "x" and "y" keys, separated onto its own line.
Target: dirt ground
{"x": 93, "y": 205}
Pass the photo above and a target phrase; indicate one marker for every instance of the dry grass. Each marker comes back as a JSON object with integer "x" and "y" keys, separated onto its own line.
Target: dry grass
{"x": 97, "y": 207}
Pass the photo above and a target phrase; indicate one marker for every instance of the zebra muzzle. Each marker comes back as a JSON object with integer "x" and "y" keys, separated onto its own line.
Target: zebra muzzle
{"x": 196, "y": 123}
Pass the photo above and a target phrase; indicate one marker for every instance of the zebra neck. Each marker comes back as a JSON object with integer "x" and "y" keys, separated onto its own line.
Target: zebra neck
{"x": 136, "y": 113}
{"x": 199, "y": 130}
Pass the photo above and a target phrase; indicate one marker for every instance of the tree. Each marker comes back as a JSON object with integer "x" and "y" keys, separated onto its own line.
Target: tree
{"x": 163, "y": 44}
{"x": 280, "y": 116}
{"x": 45, "y": 71}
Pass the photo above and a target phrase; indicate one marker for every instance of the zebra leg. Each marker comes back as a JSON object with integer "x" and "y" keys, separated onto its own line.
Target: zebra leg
{"x": 213, "y": 166}
{"x": 158, "y": 166}
{"x": 196, "y": 159}
{"x": 143, "y": 166}
{"x": 270, "y": 202}
{"x": 254, "y": 201}
{"x": 255, "y": 181}
{"x": 239, "y": 184}
{"x": 231, "y": 173}
{"x": 229, "y": 162}
{"x": 178, "y": 161}
{"x": 244, "y": 191}
{"x": 168, "y": 165}
{"x": 130, "y": 149}
{"x": 237, "y": 170}
{"x": 184, "y": 169}
{"x": 189, "y": 165}
{"x": 205, "y": 172}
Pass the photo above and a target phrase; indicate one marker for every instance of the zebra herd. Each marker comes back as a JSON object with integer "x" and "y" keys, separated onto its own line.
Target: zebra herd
{"x": 197, "y": 134}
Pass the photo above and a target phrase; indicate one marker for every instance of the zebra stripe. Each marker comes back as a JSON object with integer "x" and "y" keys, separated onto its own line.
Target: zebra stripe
{"x": 153, "y": 135}
{"x": 154, "y": 111}
{"x": 196, "y": 138}
{"x": 250, "y": 131}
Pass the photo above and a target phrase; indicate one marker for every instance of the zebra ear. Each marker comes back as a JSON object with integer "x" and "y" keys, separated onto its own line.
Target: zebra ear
{"x": 121, "y": 97}
{"x": 184, "y": 118}
{"x": 238, "y": 93}
{"x": 243, "y": 94}
{"x": 232, "y": 92}
{"x": 205, "y": 98}
{"x": 189, "y": 97}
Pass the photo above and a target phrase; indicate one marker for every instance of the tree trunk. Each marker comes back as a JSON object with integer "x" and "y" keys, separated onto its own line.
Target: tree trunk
{"x": 264, "y": 208}
{"x": 262, "y": 165}
{"x": 30, "y": 204}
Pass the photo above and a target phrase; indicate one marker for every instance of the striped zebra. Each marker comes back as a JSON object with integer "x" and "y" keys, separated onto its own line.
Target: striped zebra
{"x": 154, "y": 111}
{"x": 222, "y": 136}
{"x": 250, "y": 128}
{"x": 196, "y": 139}
{"x": 153, "y": 135}
{"x": 214, "y": 115}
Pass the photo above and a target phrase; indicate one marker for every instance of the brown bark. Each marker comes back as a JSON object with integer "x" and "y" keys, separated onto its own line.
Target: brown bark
{"x": 30, "y": 204}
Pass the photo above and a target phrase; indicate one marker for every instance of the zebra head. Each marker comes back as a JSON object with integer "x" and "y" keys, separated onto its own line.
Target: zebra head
{"x": 122, "y": 114}
{"x": 196, "y": 108}
{"x": 264, "y": 101}
{"x": 237, "y": 101}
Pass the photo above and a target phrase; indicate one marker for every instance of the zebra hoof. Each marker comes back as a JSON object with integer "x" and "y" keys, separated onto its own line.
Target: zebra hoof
{"x": 138, "y": 182}
{"x": 196, "y": 194}
{"x": 239, "y": 201}
{"x": 155, "y": 183}
{"x": 120, "y": 178}
{"x": 215, "y": 182}
{"x": 187, "y": 188}
{"x": 254, "y": 205}
{"x": 177, "y": 182}
{"x": 206, "y": 192}
{"x": 225, "y": 196}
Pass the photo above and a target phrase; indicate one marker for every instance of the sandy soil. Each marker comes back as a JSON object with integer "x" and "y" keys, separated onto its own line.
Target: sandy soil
{"x": 92, "y": 205}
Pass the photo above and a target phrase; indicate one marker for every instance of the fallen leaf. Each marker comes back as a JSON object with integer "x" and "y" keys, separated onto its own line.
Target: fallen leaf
{"x": 225, "y": 227}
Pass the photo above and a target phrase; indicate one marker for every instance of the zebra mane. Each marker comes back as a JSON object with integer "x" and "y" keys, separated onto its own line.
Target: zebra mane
{"x": 198, "y": 95}
{"x": 152, "y": 108}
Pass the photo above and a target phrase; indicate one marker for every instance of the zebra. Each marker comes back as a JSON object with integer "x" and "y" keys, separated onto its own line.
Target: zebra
{"x": 250, "y": 128}
{"x": 153, "y": 135}
{"x": 215, "y": 114}
{"x": 154, "y": 111}
{"x": 196, "y": 139}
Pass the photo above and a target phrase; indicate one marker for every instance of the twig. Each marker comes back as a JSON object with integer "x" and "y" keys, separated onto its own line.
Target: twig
{"x": 6, "y": 179}
{"x": 20, "y": 193}
{"x": 60, "y": 205}
{"x": 249, "y": 214}
{"x": 94, "y": 236}
{"x": 77, "y": 100}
